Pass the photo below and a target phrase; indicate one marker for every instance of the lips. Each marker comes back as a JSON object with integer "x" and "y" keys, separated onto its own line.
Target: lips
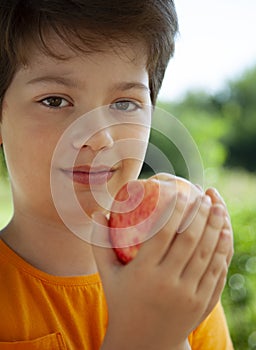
{"x": 87, "y": 175}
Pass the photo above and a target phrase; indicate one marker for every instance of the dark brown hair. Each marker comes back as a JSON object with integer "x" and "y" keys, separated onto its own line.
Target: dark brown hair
{"x": 86, "y": 25}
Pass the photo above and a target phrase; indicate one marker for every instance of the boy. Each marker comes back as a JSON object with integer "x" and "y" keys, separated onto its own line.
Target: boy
{"x": 61, "y": 60}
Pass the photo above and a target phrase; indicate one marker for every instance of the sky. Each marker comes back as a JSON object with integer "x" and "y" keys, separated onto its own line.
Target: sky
{"x": 216, "y": 44}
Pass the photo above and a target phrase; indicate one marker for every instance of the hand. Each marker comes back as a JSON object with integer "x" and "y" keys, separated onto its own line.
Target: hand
{"x": 156, "y": 300}
{"x": 227, "y": 228}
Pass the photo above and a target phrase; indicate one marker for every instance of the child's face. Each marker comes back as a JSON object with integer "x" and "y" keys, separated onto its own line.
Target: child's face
{"x": 47, "y": 96}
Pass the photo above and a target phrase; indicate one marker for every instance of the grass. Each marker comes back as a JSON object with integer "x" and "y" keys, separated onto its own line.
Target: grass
{"x": 238, "y": 188}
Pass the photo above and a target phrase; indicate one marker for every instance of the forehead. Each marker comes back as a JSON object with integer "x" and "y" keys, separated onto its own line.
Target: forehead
{"x": 56, "y": 50}
{"x": 111, "y": 66}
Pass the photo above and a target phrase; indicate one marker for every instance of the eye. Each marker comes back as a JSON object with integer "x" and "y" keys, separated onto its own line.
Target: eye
{"x": 55, "y": 102}
{"x": 125, "y": 106}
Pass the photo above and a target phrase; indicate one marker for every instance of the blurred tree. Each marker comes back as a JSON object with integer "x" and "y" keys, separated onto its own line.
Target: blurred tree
{"x": 224, "y": 124}
{"x": 201, "y": 115}
{"x": 239, "y": 108}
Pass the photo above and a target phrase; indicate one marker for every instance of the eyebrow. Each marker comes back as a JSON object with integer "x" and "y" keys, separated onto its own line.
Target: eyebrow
{"x": 123, "y": 86}
{"x": 54, "y": 79}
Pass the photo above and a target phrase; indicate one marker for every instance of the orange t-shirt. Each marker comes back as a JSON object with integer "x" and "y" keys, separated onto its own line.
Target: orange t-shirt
{"x": 44, "y": 312}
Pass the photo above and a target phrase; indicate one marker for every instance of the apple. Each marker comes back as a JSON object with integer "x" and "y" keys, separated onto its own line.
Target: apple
{"x": 140, "y": 209}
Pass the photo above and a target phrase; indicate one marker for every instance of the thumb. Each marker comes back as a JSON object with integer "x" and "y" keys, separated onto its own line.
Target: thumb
{"x": 104, "y": 255}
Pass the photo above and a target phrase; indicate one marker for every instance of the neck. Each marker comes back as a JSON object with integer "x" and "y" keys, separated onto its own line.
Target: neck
{"x": 50, "y": 247}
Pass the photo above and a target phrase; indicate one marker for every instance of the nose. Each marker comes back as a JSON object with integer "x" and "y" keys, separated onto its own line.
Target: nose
{"x": 100, "y": 140}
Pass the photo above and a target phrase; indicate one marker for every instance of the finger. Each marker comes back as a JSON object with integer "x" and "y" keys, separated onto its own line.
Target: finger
{"x": 196, "y": 215}
{"x": 186, "y": 242}
{"x": 218, "y": 290}
{"x": 199, "y": 187}
{"x": 181, "y": 185}
{"x": 204, "y": 251}
{"x": 104, "y": 255}
{"x": 231, "y": 249}
{"x": 154, "y": 250}
{"x": 216, "y": 296}
{"x": 215, "y": 195}
{"x": 216, "y": 198}
{"x": 228, "y": 229}
{"x": 209, "y": 280}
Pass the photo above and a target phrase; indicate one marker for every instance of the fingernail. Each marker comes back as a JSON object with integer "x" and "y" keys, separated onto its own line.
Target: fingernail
{"x": 218, "y": 211}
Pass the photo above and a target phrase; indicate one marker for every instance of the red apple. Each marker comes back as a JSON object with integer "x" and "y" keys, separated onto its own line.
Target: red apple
{"x": 141, "y": 208}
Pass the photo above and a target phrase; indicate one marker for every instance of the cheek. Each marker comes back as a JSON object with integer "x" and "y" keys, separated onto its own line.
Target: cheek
{"x": 132, "y": 150}
{"x": 131, "y": 168}
{"x": 134, "y": 144}
{"x": 28, "y": 148}
{"x": 133, "y": 134}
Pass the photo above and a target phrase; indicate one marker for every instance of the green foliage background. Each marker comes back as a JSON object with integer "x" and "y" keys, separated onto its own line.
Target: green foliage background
{"x": 224, "y": 128}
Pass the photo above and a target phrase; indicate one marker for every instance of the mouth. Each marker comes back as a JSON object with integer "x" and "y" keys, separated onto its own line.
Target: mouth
{"x": 90, "y": 176}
